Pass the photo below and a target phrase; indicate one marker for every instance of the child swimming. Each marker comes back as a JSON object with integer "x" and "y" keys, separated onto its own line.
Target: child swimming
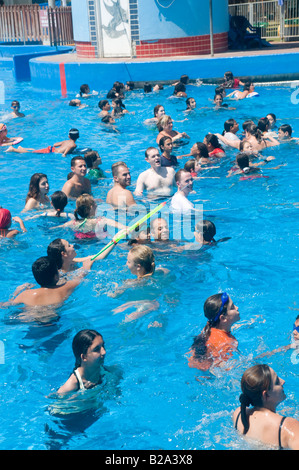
{"x": 215, "y": 344}
{"x": 89, "y": 351}
{"x": 85, "y": 224}
{"x": 5, "y": 224}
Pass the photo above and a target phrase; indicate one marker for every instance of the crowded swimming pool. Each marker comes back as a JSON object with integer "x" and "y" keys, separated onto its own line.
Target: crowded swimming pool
{"x": 151, "y": 399}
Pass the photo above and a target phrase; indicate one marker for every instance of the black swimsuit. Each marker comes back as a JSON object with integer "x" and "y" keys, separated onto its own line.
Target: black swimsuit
{"x": 279, "y": 431}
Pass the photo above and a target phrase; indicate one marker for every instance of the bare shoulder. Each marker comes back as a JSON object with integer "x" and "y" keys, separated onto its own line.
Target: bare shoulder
{"x": 290, "y": 433}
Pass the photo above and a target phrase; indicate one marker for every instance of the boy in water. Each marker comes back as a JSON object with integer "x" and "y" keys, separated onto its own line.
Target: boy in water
{"x": 65, "y": 147}
{"x": 15, "y": 106}
{"x": 46, "y": 275}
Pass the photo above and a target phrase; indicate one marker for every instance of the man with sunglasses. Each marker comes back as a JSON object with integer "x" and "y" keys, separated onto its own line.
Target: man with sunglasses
{"x": 15, "y": 106}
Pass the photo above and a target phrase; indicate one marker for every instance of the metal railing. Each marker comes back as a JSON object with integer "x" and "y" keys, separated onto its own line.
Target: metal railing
{"x": 32, "y": 23}
{"x": 274, "y": 20}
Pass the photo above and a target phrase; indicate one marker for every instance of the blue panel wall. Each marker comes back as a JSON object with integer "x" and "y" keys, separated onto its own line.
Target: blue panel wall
{"x": 100, "y": 76}
{"x": 181, "y": 19}
{"x": 80, "y": 20}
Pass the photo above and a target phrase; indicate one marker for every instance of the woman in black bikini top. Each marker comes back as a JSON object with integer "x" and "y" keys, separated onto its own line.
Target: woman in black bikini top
{"x": 263, "y": 389}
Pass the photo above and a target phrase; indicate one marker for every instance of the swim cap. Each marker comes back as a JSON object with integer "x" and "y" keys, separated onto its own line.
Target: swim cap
{"x": 74, "y": 133}
{"x": 5, "y": 218}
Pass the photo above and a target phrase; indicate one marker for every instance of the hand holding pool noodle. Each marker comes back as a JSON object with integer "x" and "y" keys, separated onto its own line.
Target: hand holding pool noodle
{"x": 123, "y": 232}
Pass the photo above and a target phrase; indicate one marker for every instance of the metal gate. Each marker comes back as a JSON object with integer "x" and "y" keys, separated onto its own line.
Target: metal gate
{"x": 275, "y": 21}
{"x": 31, "y": 23}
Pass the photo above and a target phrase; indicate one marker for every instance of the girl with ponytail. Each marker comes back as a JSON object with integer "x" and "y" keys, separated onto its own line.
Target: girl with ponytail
{"x": 263, "y": 389}
{"x": 215, "y": 344}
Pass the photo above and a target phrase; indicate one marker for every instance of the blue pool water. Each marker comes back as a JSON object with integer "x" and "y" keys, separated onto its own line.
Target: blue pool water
{"x": 151, "y": 400}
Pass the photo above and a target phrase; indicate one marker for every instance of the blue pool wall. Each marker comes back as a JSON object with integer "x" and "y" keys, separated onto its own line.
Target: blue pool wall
{"x": 17, "y": 56}
{"x": 27, "y": 63}
{"x": 101, "y": 75}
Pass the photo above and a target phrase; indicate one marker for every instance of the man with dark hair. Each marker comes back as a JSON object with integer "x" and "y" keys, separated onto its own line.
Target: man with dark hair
{"x": 46, "y": 275}
{"x": 78, "y": 184}
{"x": 180, "y": 202}
{"x": 119, "y": 196}
{"x": 64, "y": 147}
{"x": 157, "y": 180}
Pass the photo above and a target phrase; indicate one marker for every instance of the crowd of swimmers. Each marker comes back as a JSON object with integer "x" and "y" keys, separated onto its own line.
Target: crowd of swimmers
{"x": 262, "y": 389}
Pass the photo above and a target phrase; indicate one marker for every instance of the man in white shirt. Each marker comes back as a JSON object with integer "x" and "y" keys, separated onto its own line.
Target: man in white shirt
{"x": 180, "y": 202}
{"x": 157, "y": 180}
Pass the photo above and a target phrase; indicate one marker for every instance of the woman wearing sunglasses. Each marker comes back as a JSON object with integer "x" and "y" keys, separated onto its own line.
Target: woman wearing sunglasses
{"x": 215, "y": 344}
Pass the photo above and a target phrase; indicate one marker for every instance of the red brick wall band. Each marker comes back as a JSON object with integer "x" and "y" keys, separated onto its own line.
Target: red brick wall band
{"x": 85, "y": 49}
{"x": 194, "y": 45}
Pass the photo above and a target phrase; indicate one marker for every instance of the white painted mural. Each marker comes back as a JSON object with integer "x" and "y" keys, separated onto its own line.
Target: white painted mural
{"x": 116, "y": 36}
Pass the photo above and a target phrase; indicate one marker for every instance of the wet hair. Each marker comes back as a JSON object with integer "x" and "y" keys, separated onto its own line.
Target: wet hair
{"x": 242, "y": 144}
{"x": 228, "y": 125}
{"x": 156, "y": 109}
{"x": 252, "y": 129}
{"x": 15, "y": 103}
{"x": 91, "y": 157}
{"x": 219, "y": 90}
{"x": 119, "y": 105}
{"x": 163, "y": 140}
{"x": 254, "y": 382}
{"x": 218, "y": 94}
{"x": 208, "y": 230}
{"x": 242, "y": 160}
{"x": 246, "y": 124}
{"x": 81, "y": 342}
{"x": 184, "y": 79}
{"x": 203, "y": 150}
{"x": 286, "y": 128}
{"x": 55, "y": 250}
{"x": 188, "y": 101}
{"x": 130, "y": 85}
{"x": 102, "y": 103}
{"x": 73, "y": 103}
{"x": 247, "y": 86}
{"x": 111, "y": 93}
{"x": 148, "y": 149}
{"x": 59, "y": 201}
{"x": 272, "y": 115}
{"x": 34, "y": 185}
{"x": 144, "y": 256}
{"x": 263, "y": 124}
{"x": 107, "y": 119}
{"x": 190, "y": 165}
{"x": 44, "y": 271}
{"x": 213, "y": 140}
{"x": 179, "y": 87}
{"x": 74, "y": 134}
{"x": 84, "y": 89}
{"x": 179, "y": 173}
{"x": 211, "y": 308}
{"x": 84, "y": 204}
{"x": 76, "y": 159}
{"x": 115, "y": 167}
{"x": 147, "y": 87}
